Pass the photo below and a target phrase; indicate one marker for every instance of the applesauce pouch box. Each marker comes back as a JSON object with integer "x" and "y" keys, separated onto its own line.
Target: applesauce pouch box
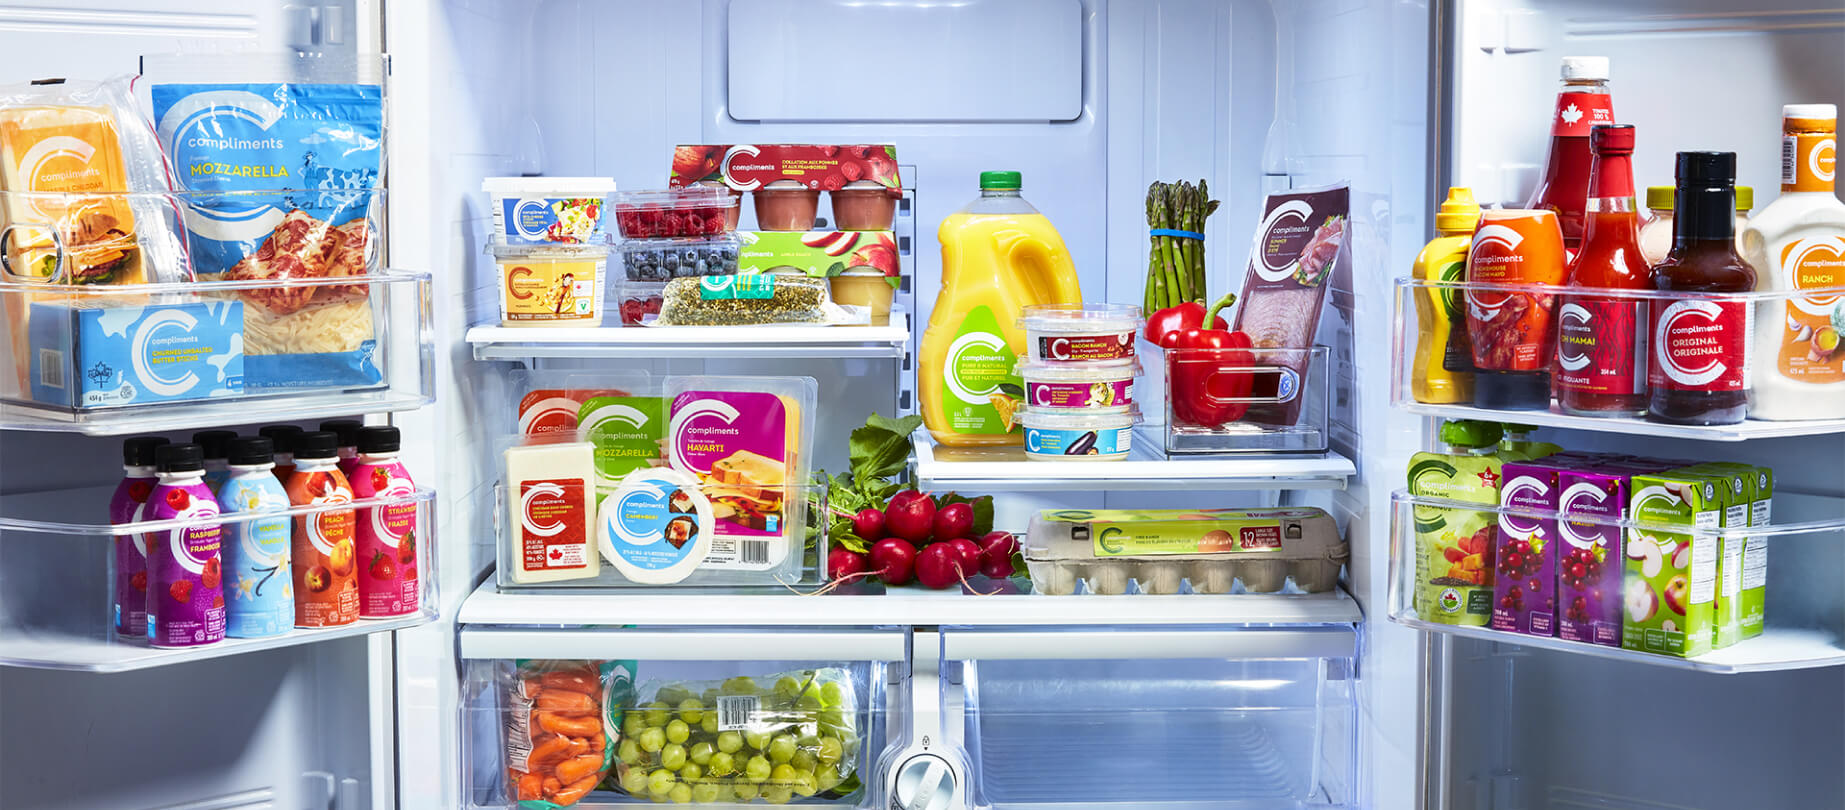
{"x": 626, "y": 432}
{"x": 98, "y": 357}
{"x": 1669, "y": 586}
{"x": 1525, "y": 588}
{"x": 1454, "y": 547}
{"x": 749, "y": 441}
{"x": 1588, "y": 561}
{"x": 821, "y": 254}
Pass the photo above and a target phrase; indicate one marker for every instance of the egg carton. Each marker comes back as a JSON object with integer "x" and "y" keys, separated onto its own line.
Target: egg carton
{"x": 1169, "y": 575}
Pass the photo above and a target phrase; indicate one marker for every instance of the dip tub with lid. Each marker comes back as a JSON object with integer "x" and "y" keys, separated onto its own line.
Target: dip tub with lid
{"x": 1103, "y": 386}
{"x": 1077, "y": 435}
{"x": 548, "y": 210}
{"x": 1066, "y": 333}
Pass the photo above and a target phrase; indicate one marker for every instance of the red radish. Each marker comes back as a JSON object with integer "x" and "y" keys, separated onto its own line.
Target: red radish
{"x": 844, "y": 562}
{"x": 936, "y": 566}
{"x": 894, "y": 559}
{"x": 967, "y": 553}
{"x": 996, "y": 550}
{"x": 903, "y": 496}
{"x": 911, "y": 519}
{"x": 954, "y": 520}
{"x": 997, "y": 567}
{"x": 869, "y": 524}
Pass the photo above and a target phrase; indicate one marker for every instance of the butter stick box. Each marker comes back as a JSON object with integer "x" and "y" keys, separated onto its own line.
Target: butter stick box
{"x": 1669, "y": 582}
{"x": 95, "y": 357}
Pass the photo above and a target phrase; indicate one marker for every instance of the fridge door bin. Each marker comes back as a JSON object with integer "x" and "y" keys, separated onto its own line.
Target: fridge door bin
{"x": 1273, "y": 400}
{"x": 1181, "y": 718}
{"x": 689, "y": 711}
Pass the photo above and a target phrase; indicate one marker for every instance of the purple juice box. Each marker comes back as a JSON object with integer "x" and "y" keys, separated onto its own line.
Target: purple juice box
{"x": 1589, "y": 564}
{"x": 1525, "y": 561}
{"x": 185, "y": 576}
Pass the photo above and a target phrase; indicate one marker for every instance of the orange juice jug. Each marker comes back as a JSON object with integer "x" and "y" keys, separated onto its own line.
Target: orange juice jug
{"x": 999, "y": 255}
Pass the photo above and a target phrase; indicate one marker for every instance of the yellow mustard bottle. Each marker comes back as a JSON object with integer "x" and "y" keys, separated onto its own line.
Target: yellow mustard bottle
{"x": 999, "y": 255}
{"x": 1441, "y": 347}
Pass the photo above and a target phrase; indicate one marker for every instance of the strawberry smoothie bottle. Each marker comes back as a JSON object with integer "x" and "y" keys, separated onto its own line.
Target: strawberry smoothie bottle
{"x": 185, "y": 594}
{"x": 131, "y": 549}
{"x": 326, "y": 593}
{"x": 348, "y": 432}
{"x": 260, "y": 597}
{"x": 215, "y": 443}
{"x": 284, "y": 438}
{"x": 387, "y": 534}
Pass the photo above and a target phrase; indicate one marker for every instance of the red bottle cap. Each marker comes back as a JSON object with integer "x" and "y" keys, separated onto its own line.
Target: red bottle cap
{"x": 1612, "y": 139}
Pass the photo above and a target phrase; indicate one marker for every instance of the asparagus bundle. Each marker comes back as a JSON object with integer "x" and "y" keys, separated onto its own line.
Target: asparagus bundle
{"x": 1175, "y": 262}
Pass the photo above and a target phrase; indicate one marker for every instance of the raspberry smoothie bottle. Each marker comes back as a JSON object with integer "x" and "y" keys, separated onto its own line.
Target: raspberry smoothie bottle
{"x": 215, "y": 443}
{"x": 387, "y": 534}
{"x": 131, "y": 549}
{"x": 261, "y": 599}
{"x": 185, "y": 594}
{"x": 348, "y": 432}
{"x": 326, "y": 593}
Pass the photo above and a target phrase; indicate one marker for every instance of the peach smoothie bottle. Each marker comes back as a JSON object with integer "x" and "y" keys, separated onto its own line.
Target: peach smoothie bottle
{"x": 324, "y": 556}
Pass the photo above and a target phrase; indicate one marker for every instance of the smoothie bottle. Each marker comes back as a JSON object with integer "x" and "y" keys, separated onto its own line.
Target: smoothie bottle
{"x": 185, "y": 593}
{"x": 348, "y": 432}
{"x": 387, "y": 534}
{"x": 215, "y": 443}
{"x": 262, "y": 599}
{"x": 284, "y": 438}
{"x": 326, "y": 591}
{"x": 131, "y": 549}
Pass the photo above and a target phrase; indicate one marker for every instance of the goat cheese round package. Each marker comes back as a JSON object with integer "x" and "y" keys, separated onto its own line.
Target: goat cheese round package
{"x": 656, "y": 526}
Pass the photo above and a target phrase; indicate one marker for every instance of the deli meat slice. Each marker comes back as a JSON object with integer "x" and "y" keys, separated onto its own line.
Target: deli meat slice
{"x": 1298, "y": 249}
{"x": 300, "y": 247}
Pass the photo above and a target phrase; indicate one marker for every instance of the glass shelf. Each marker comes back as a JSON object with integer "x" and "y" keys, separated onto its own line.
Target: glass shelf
{"x": 519, "y": 343}
{"x": 1147, "y": 467}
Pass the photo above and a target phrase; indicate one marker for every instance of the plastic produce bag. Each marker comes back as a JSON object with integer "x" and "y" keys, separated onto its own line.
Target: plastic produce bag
{"x": 754, "y": 300}
{"x": 736, "y": 741}
{"x": 561, "y": 726}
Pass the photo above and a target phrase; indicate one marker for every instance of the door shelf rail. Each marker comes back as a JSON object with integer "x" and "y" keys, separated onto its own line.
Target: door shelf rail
{"x": 491, "y": 342}
{"x": 1147, "y": 467}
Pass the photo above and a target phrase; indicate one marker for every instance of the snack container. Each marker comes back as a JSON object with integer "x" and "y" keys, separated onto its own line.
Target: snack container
{"x": 548, "y": 210}
{"x": 639, "y": 302}
{"x": 1165, "y": 551}
{"x": 786, "y": 205}
{"x": 1077, "y": 436}
{"x": 747, "y": 300}
{"x": 667, "y": 259}
{"x": 864, "y": 205}
{"x": 871, "y": 290}
{"x": 551, "y": 285}
{"x": 676, "y": 212}
{"x": 1064, "y": 333}
{"x": 1099, "y": 387}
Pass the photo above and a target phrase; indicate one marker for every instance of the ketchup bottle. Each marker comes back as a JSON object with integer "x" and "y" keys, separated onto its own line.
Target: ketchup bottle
{"x": 1582, "y": 102}
{"x": 1699, "y": 369}
{"x": 1601, "y": 340}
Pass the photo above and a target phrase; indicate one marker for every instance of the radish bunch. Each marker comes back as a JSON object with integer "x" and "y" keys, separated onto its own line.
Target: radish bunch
{"x": 915, "y": 537}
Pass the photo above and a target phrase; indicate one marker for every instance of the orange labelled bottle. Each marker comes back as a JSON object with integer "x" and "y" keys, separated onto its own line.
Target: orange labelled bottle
{"x": 325, "y": 558}
{"x": 1510, "y": 328}
{"x": 1602, "y": 340}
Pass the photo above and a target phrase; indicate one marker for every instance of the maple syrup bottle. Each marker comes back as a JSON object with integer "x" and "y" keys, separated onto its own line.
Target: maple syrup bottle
{"x": 1583, "y": 102}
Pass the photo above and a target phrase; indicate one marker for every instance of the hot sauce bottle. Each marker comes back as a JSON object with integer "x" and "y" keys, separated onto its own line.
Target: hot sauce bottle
{"x": 1699, "y": 366}
{"x": 1601, "y": 340}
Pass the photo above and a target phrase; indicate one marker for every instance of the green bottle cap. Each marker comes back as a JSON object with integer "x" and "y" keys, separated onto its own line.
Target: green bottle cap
{"x": 999, "y": 179}
{"x": 1470, "y": 433}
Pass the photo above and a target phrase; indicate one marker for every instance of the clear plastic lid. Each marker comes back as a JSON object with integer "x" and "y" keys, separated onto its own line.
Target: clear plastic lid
{"x": 682, "y": 198}
{"x": 1095, "y": 371}
{"x": 1083, "y": 318}
{"x": 1042, "y": 419}
{"x": 550, "y": 186}
{"x": 553, "y": 252}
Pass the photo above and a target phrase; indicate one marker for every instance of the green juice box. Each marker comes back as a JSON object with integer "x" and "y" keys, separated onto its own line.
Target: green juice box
{"x": 1669, "y": 587}
{"x": 1751, "y": 580}
{"x": 1737, "y": 488}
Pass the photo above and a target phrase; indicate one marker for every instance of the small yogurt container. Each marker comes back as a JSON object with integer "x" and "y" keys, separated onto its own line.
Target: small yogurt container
{"x": 1077, "y": 435}
{"x": 1067, "y": 333}
{"x": 549, "y": 210}
{"x": 1099, "y": 387}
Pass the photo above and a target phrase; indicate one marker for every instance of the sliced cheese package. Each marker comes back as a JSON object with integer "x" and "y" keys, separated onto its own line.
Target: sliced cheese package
{"x": 749, "y": 442}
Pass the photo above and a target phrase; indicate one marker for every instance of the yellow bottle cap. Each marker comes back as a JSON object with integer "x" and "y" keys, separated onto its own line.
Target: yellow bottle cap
{"x": 1660, "y": 198}
{"x": 1459, "y": 212}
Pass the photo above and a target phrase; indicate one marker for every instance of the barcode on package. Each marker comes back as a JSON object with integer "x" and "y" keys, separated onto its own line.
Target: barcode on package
{"x": 736, "y": 711}
{"x": 51, "y": 368}
{"x": 519, "y": 731}
{"x": 754, "y": 552}
{"x": 1790, "y": 158}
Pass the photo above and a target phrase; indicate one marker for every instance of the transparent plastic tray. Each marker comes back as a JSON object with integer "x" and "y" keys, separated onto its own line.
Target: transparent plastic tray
{"x": 1804, "y": 613}
{"x": 57, "y": 583}
{"x": 1286, "y": 405}
{"x": 1768, "y": 308}
{"x": 1061, "y": 554}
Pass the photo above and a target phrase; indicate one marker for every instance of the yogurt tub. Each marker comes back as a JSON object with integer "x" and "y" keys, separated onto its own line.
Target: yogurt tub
{"x": 1064, "y": 333}
{"x": 1077, "y": 436}
{"x": 1099, "y": 387}
{"x": 549, "y": 210}
{"x": 551, "y": 285}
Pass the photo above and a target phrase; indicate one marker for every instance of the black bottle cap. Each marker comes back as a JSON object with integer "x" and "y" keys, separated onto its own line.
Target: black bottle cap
{"x": 250, "y": 450}
{"x": 346, "y": 429}
{"x": 379, "y": 439}
{"x": 214, "y": 442}
{"x": 282, "y": 435}
{"x": 1705, "y": 203}
{"x": 1512, "y": 391}
{"x": 139, "y": 450}
{"x": 1707, "y": 167}
{"x": 316, "y": 444}
{"x": 173, "y": 458}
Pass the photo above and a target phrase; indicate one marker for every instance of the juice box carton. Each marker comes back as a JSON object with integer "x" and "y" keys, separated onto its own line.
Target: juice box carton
{"x": 1589, "y": 567}
{"x": 1525, "y": 585}
{"x": 1750, "y": 584}
{"x": 1739, "y": 483}
{"x": 96, "y": 357}
{"x": 1669, "y": 581}
{"x": 1454, "y": 547}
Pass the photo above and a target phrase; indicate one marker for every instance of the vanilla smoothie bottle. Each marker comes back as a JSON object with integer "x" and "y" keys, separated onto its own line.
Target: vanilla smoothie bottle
{"x": 324, "y": 558}
{"x": 131, "y": 549}
{"x": 261, "y": 599}
{"x": 387, "y": 534}
{"x": 185, "y": 576}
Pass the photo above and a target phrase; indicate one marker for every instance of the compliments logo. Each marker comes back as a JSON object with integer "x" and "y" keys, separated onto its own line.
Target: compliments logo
{"x": 1570, "y": 318}
{"x": 1291, "y": 212}
{"x": 536, "y": 491}
{"x": 1578, "y": 493}
{"x": 141, "y": 355}
{"x": 1492, "y": 242}
{"x": 1520, "y": 526}
{"x": 1688, "y": 318}
{"x": 741, "y": 150}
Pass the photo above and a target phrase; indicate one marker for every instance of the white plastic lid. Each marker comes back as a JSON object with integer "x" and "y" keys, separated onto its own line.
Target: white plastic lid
{"x": 1821, "y": 112}
{"x": 1076, "y": 420}
{"x": 1094, "y": 371}
{"x": 634, "y": 523}
{"x": 562, "y": 186}
{"x": 1585, "y": 68}
{"x": 1081, "y": 318}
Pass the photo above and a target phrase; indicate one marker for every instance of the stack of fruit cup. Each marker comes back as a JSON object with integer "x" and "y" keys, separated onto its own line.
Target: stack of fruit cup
{"x": 668, "y": 234}
{"x": 1079, "y": 381}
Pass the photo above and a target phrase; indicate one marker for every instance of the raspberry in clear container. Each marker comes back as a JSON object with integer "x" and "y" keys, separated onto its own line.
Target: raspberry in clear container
{"x": 677, "y": 212}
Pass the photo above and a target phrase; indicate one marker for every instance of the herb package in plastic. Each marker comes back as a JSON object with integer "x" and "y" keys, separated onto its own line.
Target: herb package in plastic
{"x": 753, "y": 300}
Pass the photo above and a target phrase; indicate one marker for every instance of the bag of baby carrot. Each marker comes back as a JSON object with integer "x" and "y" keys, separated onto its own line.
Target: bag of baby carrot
{"x": 563, "y": 720}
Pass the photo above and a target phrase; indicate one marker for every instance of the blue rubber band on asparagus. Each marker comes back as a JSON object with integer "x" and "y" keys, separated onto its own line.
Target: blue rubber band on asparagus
{"x": 1171, "y": 232}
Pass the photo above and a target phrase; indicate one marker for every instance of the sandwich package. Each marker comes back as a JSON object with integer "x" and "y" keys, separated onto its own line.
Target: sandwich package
{"x": 1158, "y": 550}
{"x": 1299, "y": 249}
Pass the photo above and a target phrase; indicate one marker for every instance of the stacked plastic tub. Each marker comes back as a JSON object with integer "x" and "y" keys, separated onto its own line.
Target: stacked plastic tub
{"x": 1079, "y": 381}
{"x": 551, "y": 247}
{"x": 668, "y": 234}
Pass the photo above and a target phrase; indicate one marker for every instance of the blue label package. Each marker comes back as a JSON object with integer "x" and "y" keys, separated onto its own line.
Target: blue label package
{"x": 90, "y": 357}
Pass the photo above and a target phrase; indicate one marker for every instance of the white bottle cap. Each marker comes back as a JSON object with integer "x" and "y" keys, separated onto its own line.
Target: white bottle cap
{"x": 1585, "y": 68}
{"x": 1822, "y": 112}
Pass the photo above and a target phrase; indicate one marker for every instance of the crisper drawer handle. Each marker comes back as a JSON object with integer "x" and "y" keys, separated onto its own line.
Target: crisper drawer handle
{"x": 682, "y": 645}
{"x": 977, "y": 645}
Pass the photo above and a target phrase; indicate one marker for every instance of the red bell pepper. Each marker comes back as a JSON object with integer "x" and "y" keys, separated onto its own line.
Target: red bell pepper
{"x": 1165, "y": 326}
{"x": 1209, "y": 372}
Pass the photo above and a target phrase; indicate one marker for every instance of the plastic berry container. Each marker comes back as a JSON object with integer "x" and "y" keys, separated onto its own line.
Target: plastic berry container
{"x": 674, "y": 212}
{"x": 663, "y": 260}
{"x": 1074, "y": 333}
{"x": 640, "y": 301}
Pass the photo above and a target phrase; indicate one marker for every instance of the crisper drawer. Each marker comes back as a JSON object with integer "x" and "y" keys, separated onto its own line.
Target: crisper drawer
{"x": 602, "y": 716}
{"x": 1148, "y": 717}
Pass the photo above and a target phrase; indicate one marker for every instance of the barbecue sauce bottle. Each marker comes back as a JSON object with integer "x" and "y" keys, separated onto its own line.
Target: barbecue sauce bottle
{"x": 1699, "y": 369}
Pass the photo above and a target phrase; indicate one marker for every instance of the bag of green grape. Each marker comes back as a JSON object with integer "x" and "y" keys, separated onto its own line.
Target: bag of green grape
{"x": 561, "y": 725}
{"x": 737, "y": 740}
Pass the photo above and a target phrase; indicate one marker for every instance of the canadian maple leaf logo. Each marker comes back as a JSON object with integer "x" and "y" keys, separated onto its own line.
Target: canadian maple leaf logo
{"x": 1571, "y": 114}
{"x": 556, "y": 554}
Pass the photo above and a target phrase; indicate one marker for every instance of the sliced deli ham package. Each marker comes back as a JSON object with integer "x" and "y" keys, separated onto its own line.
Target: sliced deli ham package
{"x": 1300, "y": 247}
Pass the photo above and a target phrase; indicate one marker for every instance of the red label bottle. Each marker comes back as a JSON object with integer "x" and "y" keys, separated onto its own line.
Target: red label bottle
{"x": 1699, "y": 369}
{"x": 1582, "y": 103}
{"x": 1602, "y": 340}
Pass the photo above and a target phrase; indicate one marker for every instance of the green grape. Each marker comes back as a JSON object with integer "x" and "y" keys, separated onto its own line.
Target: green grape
{"x": 681, "y": 794}
{"x": 722, "y": 764}
{"x": 745, "y": 791}
{"x": 730, "y": 742}
{"x": 827, "y": 779}
{"x": 660, "y": 782}
{"x": 808, "y": 702}
{"x": 777, "y": 795}
{"x": 629, "y": 751}
{"x": 805, "y": 784}
{"x": 787, "y": 685}
{"x": 804, "y": 759}
{"x": 710, "y": 696}
{"x": 709, "y": 725}
{"x": 701, "y": 752}
{"x": 631, "y": 724}
{"x": 652, "y": 739}
{"x": 781, "y": 749}
{"x": 691, "y": 772}
{"x": 833, "y": 717}
{"x": 706, "y": 793}
{"x": 741, "y": 685}
{"x": 671, "y": 695}
{"x": 782, "y": 776}
{"x": 832, "y": 694}
{"x": 757, "y": 769}
{"x": 672, "y": 757}
{"x": 677, "y": 731}
{"x": 756, "y": 739}
{"x": 634, "y": 782}
{"x": 830, "y": 751}
{"x": 656, "y": 714}
{"x": 691, "y": 710}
